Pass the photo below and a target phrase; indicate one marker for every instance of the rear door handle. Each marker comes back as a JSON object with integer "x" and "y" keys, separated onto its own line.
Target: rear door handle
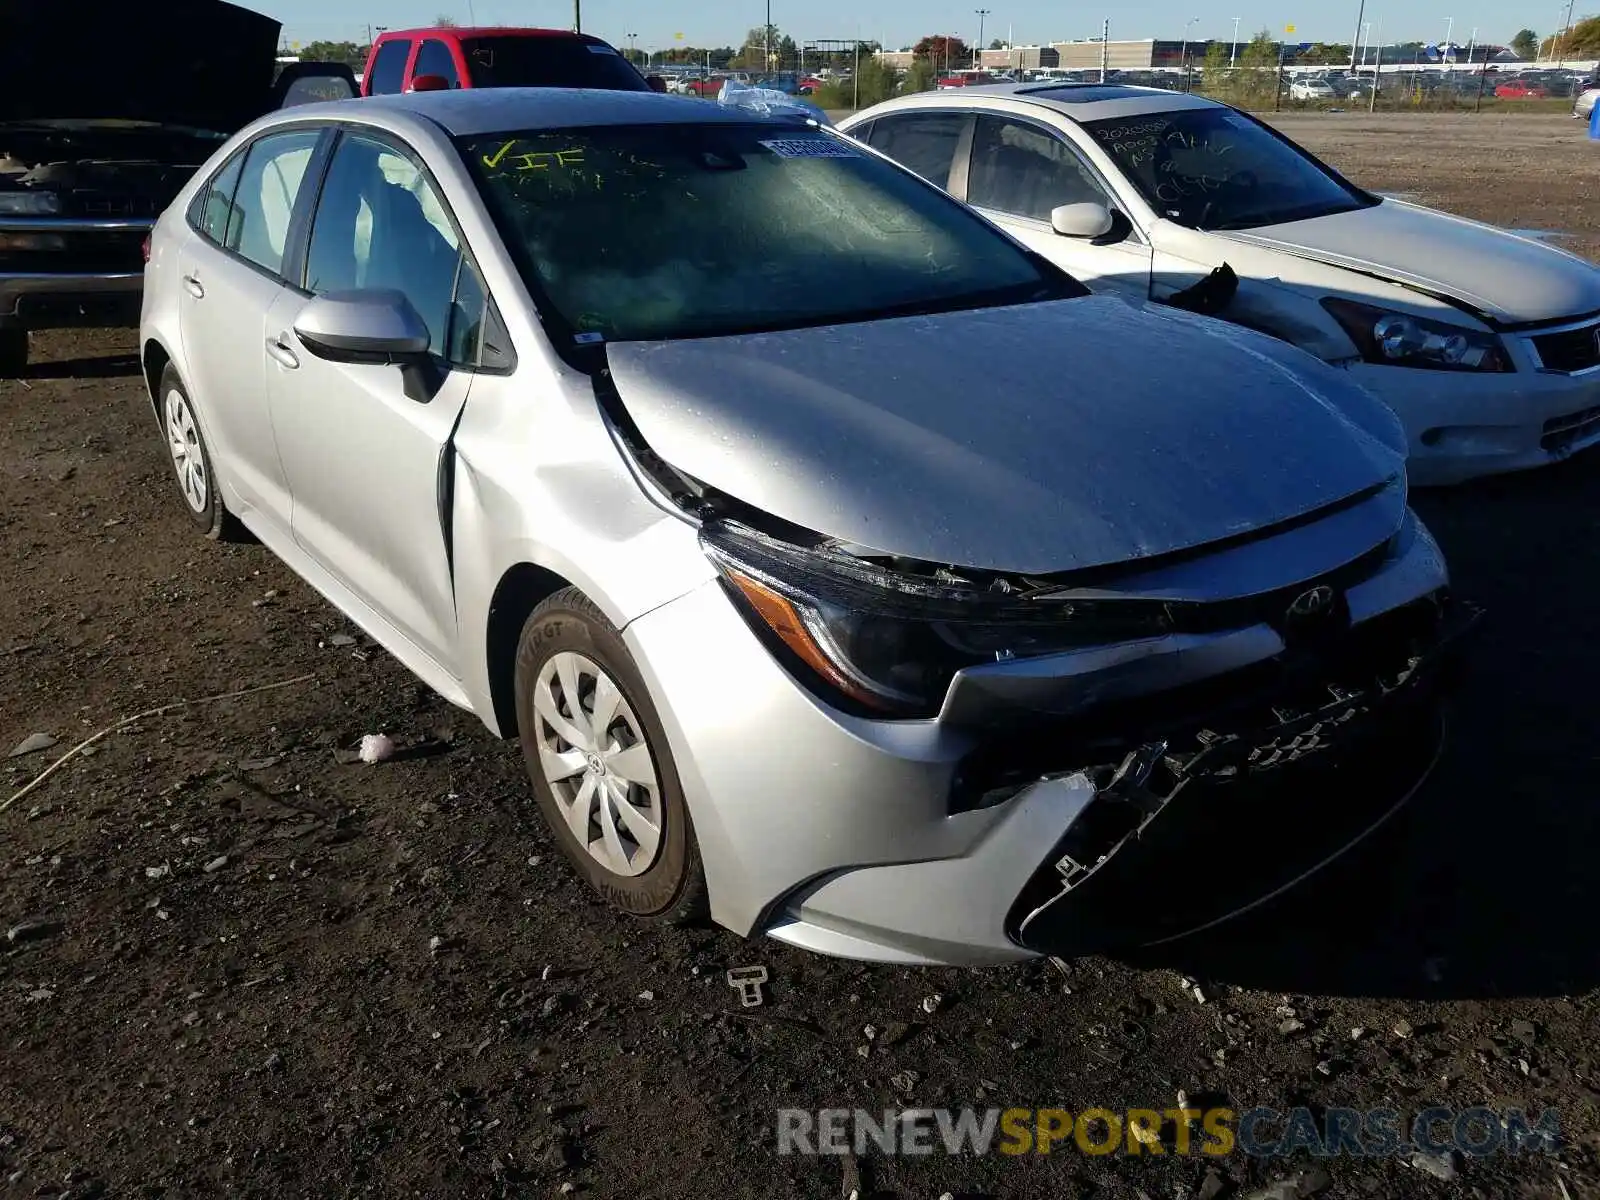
{"x": 194, "y": 287}
{"x": 283, "y": 353}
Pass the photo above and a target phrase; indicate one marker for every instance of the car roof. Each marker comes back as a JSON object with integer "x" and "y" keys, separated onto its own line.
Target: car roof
{"x": 468, "y": 112}
{"x": 483, "y": 31}
{"x": 1079, "y": 102}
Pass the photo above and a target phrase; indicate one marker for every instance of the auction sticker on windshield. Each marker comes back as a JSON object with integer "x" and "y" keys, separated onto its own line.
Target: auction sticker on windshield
{"x": 819, "y": 147}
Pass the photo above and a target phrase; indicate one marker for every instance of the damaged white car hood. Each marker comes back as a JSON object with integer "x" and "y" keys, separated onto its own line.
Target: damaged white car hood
{"x": 1509, "y": 278}
{"x": 1035, "y": 438}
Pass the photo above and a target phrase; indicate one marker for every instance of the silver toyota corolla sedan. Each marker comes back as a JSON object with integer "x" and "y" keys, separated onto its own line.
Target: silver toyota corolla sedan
{"x": 845, "y": 569}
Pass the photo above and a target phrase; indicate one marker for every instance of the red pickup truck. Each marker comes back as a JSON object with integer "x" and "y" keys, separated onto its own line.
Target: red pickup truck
{"x": 444, "y": 57}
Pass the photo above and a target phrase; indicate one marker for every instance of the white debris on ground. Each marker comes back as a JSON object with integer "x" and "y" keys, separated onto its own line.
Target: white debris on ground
{"x": 377, "y": 748}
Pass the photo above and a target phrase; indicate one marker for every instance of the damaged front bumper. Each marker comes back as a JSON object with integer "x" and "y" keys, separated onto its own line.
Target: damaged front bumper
{"x": 1183, "y": 834}
{"x": 1173, "y": 824}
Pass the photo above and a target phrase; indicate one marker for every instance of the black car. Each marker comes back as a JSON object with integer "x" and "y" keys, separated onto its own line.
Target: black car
{"x": 106, "y": 110}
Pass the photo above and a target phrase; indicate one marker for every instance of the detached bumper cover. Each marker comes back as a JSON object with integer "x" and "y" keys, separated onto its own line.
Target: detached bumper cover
{"x": 1181, "y": 836}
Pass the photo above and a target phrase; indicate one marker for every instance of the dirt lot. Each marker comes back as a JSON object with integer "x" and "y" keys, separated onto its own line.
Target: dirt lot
{"x": 272, "y": 972}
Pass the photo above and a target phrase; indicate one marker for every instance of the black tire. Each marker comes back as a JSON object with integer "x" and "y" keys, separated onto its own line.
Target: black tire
{"x": 204, "y": 504}
{"x": 673, "y": 888}
{"x": 13, "y": 353}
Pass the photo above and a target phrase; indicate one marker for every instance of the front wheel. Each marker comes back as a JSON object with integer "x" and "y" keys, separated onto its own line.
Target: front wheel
{"x": 598, "y": 761}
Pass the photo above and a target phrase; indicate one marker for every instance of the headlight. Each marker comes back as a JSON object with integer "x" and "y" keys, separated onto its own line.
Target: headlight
{"x": 29, "y": 204}
{"x": 891, "y": 641}
{"x": 1402, "y": 340}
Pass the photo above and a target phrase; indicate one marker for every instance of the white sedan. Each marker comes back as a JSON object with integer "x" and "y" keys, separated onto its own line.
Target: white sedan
{"x": 1312, "y": 89}
{"x": 1486, "y": 344}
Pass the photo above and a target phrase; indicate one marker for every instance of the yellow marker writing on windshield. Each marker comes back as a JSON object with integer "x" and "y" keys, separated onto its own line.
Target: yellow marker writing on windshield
{"x": 533, "y": 160}
{"x": 493, "y": 161}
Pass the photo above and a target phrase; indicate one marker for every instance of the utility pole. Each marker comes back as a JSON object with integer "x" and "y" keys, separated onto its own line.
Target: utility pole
{"x": 1377, "y": 68}
{"x": 766, "y": 63}
{"x": 1562, "y": 37}
{"x": 1105, "y": 47}
{"x": 1361, "y": 14}
{"x": 1233, "y": 56}
{"x": 577, "y": 16}
{"x": 1183, "y": 55}
{"x": 977, "y": 55}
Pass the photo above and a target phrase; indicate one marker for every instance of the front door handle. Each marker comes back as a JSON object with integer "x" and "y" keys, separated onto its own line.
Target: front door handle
{"x": 283, "y": 353}
{"x": 194, "y": 287}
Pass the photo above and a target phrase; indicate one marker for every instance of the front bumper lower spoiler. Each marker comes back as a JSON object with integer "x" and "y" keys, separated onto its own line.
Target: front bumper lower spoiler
{"x": 1179, "y": 838}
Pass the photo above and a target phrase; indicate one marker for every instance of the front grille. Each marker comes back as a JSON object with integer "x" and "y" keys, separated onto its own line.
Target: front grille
{"x": 1562, "y": 432}
{"x": 1570, "y": 350}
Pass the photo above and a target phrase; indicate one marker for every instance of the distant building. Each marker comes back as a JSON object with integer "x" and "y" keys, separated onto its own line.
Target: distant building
{"x": 1129, "y": 56}
{"x": 1021, "y": 58}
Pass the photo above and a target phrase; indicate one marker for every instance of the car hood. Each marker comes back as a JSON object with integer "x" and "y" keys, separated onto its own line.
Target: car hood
{"x": 1507, "y": 278}
{"x": 1036, "y": 438}
{"x": 200, "y": 63}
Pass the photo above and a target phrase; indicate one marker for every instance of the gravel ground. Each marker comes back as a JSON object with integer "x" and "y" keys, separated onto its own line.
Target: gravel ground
{"x": 263, "y": 970}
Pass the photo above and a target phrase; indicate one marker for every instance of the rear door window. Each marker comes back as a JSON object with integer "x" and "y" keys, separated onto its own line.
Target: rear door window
{"x": 389, "y": 68}
{"x": 434, "y": 58}
{"x": 216, "y": 202}
{"x": 924, "y": 142}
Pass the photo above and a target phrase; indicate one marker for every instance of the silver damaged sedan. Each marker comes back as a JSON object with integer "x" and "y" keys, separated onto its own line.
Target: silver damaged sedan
{"x": 846, "y": 571}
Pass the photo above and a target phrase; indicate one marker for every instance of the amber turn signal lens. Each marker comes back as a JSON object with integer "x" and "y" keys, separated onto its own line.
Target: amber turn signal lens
{"x": 781, "y": 617}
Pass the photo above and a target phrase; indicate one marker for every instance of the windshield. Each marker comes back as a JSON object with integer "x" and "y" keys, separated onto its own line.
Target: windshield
{"x": 1214, "y": 168}
{"x": 669, "y": 231}
{"x": 536, "y": 61}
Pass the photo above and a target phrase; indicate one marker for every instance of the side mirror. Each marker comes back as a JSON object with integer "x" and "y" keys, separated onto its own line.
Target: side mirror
{"x": 429, "y": 83}
{"x": 656, "y": 82}
{"x": 1085, "y": 220}
{"x": 374, "y": 326}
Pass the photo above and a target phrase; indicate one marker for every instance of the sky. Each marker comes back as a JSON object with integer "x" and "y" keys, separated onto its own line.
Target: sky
{"x": 901, "y": 22}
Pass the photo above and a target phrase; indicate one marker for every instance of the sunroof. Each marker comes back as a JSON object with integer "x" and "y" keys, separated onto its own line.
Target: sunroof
{"x": 1084, "y": 93}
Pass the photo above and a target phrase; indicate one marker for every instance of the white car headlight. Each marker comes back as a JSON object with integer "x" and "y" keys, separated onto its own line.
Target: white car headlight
{"x": 29, "y": 204}
{"x": 1402, "y": 340}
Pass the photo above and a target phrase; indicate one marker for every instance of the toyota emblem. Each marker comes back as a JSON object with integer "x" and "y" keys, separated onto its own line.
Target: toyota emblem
{"x": 1313, "y": 603}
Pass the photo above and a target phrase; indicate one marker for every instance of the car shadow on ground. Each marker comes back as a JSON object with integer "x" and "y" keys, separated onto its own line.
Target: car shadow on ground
{"x": 105, "y": 366}
{"x": 1485, "y": 886}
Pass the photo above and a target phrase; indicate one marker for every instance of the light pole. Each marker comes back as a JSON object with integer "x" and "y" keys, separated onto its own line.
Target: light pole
{"x": 1183, "y": 55}
{"x": 1562, "y": 37}
{"x": 632, "y": 53}
{"x": 1361, "y": 14}
{"x": 1366, "y": 42}
{"x": 977, "y": 55}
{"x": 1449, "y": 30}
{"x": 577, "y": 16}
{"x": 1233, "y": 55}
